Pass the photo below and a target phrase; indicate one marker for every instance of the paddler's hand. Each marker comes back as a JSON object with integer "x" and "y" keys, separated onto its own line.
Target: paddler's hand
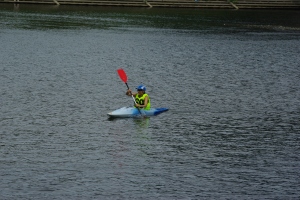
{"x": 128, "y": 92}
{"x": 137, "y": 105}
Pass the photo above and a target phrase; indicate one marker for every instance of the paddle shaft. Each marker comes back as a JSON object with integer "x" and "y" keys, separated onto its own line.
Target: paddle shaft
{"x": 131, "y": 93}
{"x": 123, "y": 77}
{"x": 133, "y": 98}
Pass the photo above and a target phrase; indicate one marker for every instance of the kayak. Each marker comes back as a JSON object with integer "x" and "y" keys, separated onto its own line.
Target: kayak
{"x": 134, "y": 112}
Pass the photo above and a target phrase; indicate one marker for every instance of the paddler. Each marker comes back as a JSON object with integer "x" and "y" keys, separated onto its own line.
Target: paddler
{"x": 141, "y": 98}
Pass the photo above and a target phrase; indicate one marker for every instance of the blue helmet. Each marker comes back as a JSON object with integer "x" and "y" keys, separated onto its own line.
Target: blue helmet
{"x": 141, "y": 87}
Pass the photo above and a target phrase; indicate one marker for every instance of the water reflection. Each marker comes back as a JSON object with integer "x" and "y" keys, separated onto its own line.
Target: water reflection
{"x": 16, "y": 7}
{"x": 130, "y": 140}
{"x": 77, "y": 17}
{"x": 142, "y": 122}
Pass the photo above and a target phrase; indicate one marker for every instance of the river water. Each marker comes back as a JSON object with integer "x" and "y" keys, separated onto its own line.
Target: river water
{"x": 229, "y": 78}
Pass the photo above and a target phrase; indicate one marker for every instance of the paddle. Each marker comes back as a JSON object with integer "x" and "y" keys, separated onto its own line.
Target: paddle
{"x": 123, "y": 77}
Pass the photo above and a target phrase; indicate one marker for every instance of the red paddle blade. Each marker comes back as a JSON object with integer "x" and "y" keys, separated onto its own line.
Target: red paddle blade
{"x": 122, "y": 75}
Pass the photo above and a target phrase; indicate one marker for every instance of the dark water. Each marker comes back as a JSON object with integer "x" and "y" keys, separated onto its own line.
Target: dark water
{"x": 229, "y": 78}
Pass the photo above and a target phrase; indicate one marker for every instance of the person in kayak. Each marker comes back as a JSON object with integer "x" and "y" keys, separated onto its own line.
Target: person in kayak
{"x": 141, "y": 98}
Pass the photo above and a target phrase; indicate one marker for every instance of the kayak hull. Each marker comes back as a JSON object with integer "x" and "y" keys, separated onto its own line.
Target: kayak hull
{"x": 134, "y": 112}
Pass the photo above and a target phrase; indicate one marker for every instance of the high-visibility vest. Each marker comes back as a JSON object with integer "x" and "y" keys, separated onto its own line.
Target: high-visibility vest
{"x": 141, "y": 100}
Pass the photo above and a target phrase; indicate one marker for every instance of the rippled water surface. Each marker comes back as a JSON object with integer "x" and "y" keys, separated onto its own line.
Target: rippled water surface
{"x": 229, "y": 78}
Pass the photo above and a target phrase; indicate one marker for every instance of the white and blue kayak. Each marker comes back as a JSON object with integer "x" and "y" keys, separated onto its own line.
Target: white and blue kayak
{"x": 134, "y": 112}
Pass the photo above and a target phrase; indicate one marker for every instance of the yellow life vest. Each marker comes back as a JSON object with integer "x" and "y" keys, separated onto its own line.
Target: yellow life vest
{"x": 141, "y": 100}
